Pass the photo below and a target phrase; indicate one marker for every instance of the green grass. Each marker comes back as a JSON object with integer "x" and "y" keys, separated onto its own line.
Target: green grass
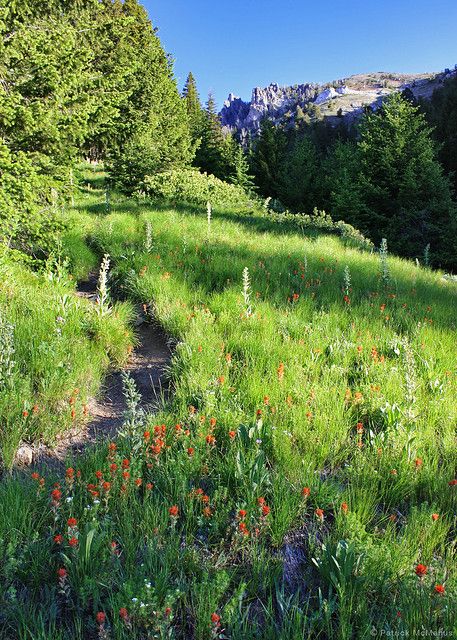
{"x": 281, "y": 383}
{"x": 56, "y": 350}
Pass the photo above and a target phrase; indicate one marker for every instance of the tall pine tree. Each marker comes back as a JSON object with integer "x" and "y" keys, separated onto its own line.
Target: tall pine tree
{"x": 407, "y": 198}
{"x": 211, "y": 154}
{"x": 193, "y": 107}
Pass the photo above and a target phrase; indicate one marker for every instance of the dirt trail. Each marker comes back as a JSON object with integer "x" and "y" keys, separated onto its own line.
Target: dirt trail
{"x": 146, "y": 366}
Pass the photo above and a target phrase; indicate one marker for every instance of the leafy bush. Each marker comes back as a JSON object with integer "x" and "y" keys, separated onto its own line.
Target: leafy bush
{"x": 319, "y": 220}
{"x": 191, "y": 186}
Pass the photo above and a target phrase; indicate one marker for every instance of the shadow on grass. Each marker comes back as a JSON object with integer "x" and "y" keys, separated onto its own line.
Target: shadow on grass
{"x": 227, "y": 262}
{"x": 224, "y": 264}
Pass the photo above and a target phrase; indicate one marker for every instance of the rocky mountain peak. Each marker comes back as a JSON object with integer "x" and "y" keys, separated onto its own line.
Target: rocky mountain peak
{"x": 345, "y": 98}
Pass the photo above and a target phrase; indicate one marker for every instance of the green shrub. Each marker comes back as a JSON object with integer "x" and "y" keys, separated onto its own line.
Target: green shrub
{"x": 191, "y": 186}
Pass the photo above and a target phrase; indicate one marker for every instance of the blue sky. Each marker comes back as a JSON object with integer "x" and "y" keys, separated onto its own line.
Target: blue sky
{"x": 238, "y": 44}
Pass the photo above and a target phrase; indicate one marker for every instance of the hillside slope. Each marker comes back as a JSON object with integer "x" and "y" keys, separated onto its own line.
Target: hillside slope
{"x": 300, "y": 480}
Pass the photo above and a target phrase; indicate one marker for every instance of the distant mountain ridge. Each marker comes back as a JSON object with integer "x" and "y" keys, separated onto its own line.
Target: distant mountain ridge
{"x": 345, "y": 98}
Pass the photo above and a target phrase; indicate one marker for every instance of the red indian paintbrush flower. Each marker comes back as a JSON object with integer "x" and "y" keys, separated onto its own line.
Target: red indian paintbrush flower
{"x": 56, "y": 495}
{"x": 173, "y": 511}
{"x": 306, "y": 491}
{"x": 439, "y": 589}
{"x": 100, "y": 617}
{"x": 72, "y": 522}
{"x": 280, "y": 371}
{"x": 421, "y": 570}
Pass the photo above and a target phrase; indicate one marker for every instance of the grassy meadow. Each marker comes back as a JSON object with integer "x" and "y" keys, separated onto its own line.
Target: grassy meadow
{"x": 55, "y": 350}
{"x": 300, "y": 480}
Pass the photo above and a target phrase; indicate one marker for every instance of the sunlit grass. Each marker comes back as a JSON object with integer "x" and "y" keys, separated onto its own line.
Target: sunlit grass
{"x": 351, "y": 399}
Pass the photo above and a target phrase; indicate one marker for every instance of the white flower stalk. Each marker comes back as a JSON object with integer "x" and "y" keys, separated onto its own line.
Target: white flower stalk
{"x": 384, "y": 267}
{"x": 102, "y": 287}
{"x": 209, "y": 212}
{"x": 347, "y": 281}
{"x": 148, "y": 239}
{"x": 247, "y": 292}
{"x": 7, "y": 363}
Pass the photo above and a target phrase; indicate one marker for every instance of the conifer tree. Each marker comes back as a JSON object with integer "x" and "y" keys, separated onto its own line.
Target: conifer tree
{"x": 241, "y": 172}
{"x": 407, "y": 198}
{"x": 441, "y": 112}
{"x": 211, "y": 156}
{"x": 270, "y": 150}
{"x": 298, "y": 184}
{"x": 193, "y": 107}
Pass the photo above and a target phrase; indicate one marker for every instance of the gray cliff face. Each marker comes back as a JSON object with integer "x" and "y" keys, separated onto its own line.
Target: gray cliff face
{"x": 345, "y": 98}
{"x": 272, "y": 101}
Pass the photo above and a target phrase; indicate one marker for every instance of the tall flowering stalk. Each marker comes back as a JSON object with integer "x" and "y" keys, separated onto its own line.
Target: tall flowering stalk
{"x": 7, "y": 363}
{"x": 209, "y": 212}
{"x": 134, "y": 415}
{"x": 148, "y": 239}
{"x": 383, "y": 263}
{"x": 247, "y": 292}
{"x": 347, "y": 285}
{"x": 102, "y": 287}
{"x": 107, "y": 200}
{"x": 427, "y": 255}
